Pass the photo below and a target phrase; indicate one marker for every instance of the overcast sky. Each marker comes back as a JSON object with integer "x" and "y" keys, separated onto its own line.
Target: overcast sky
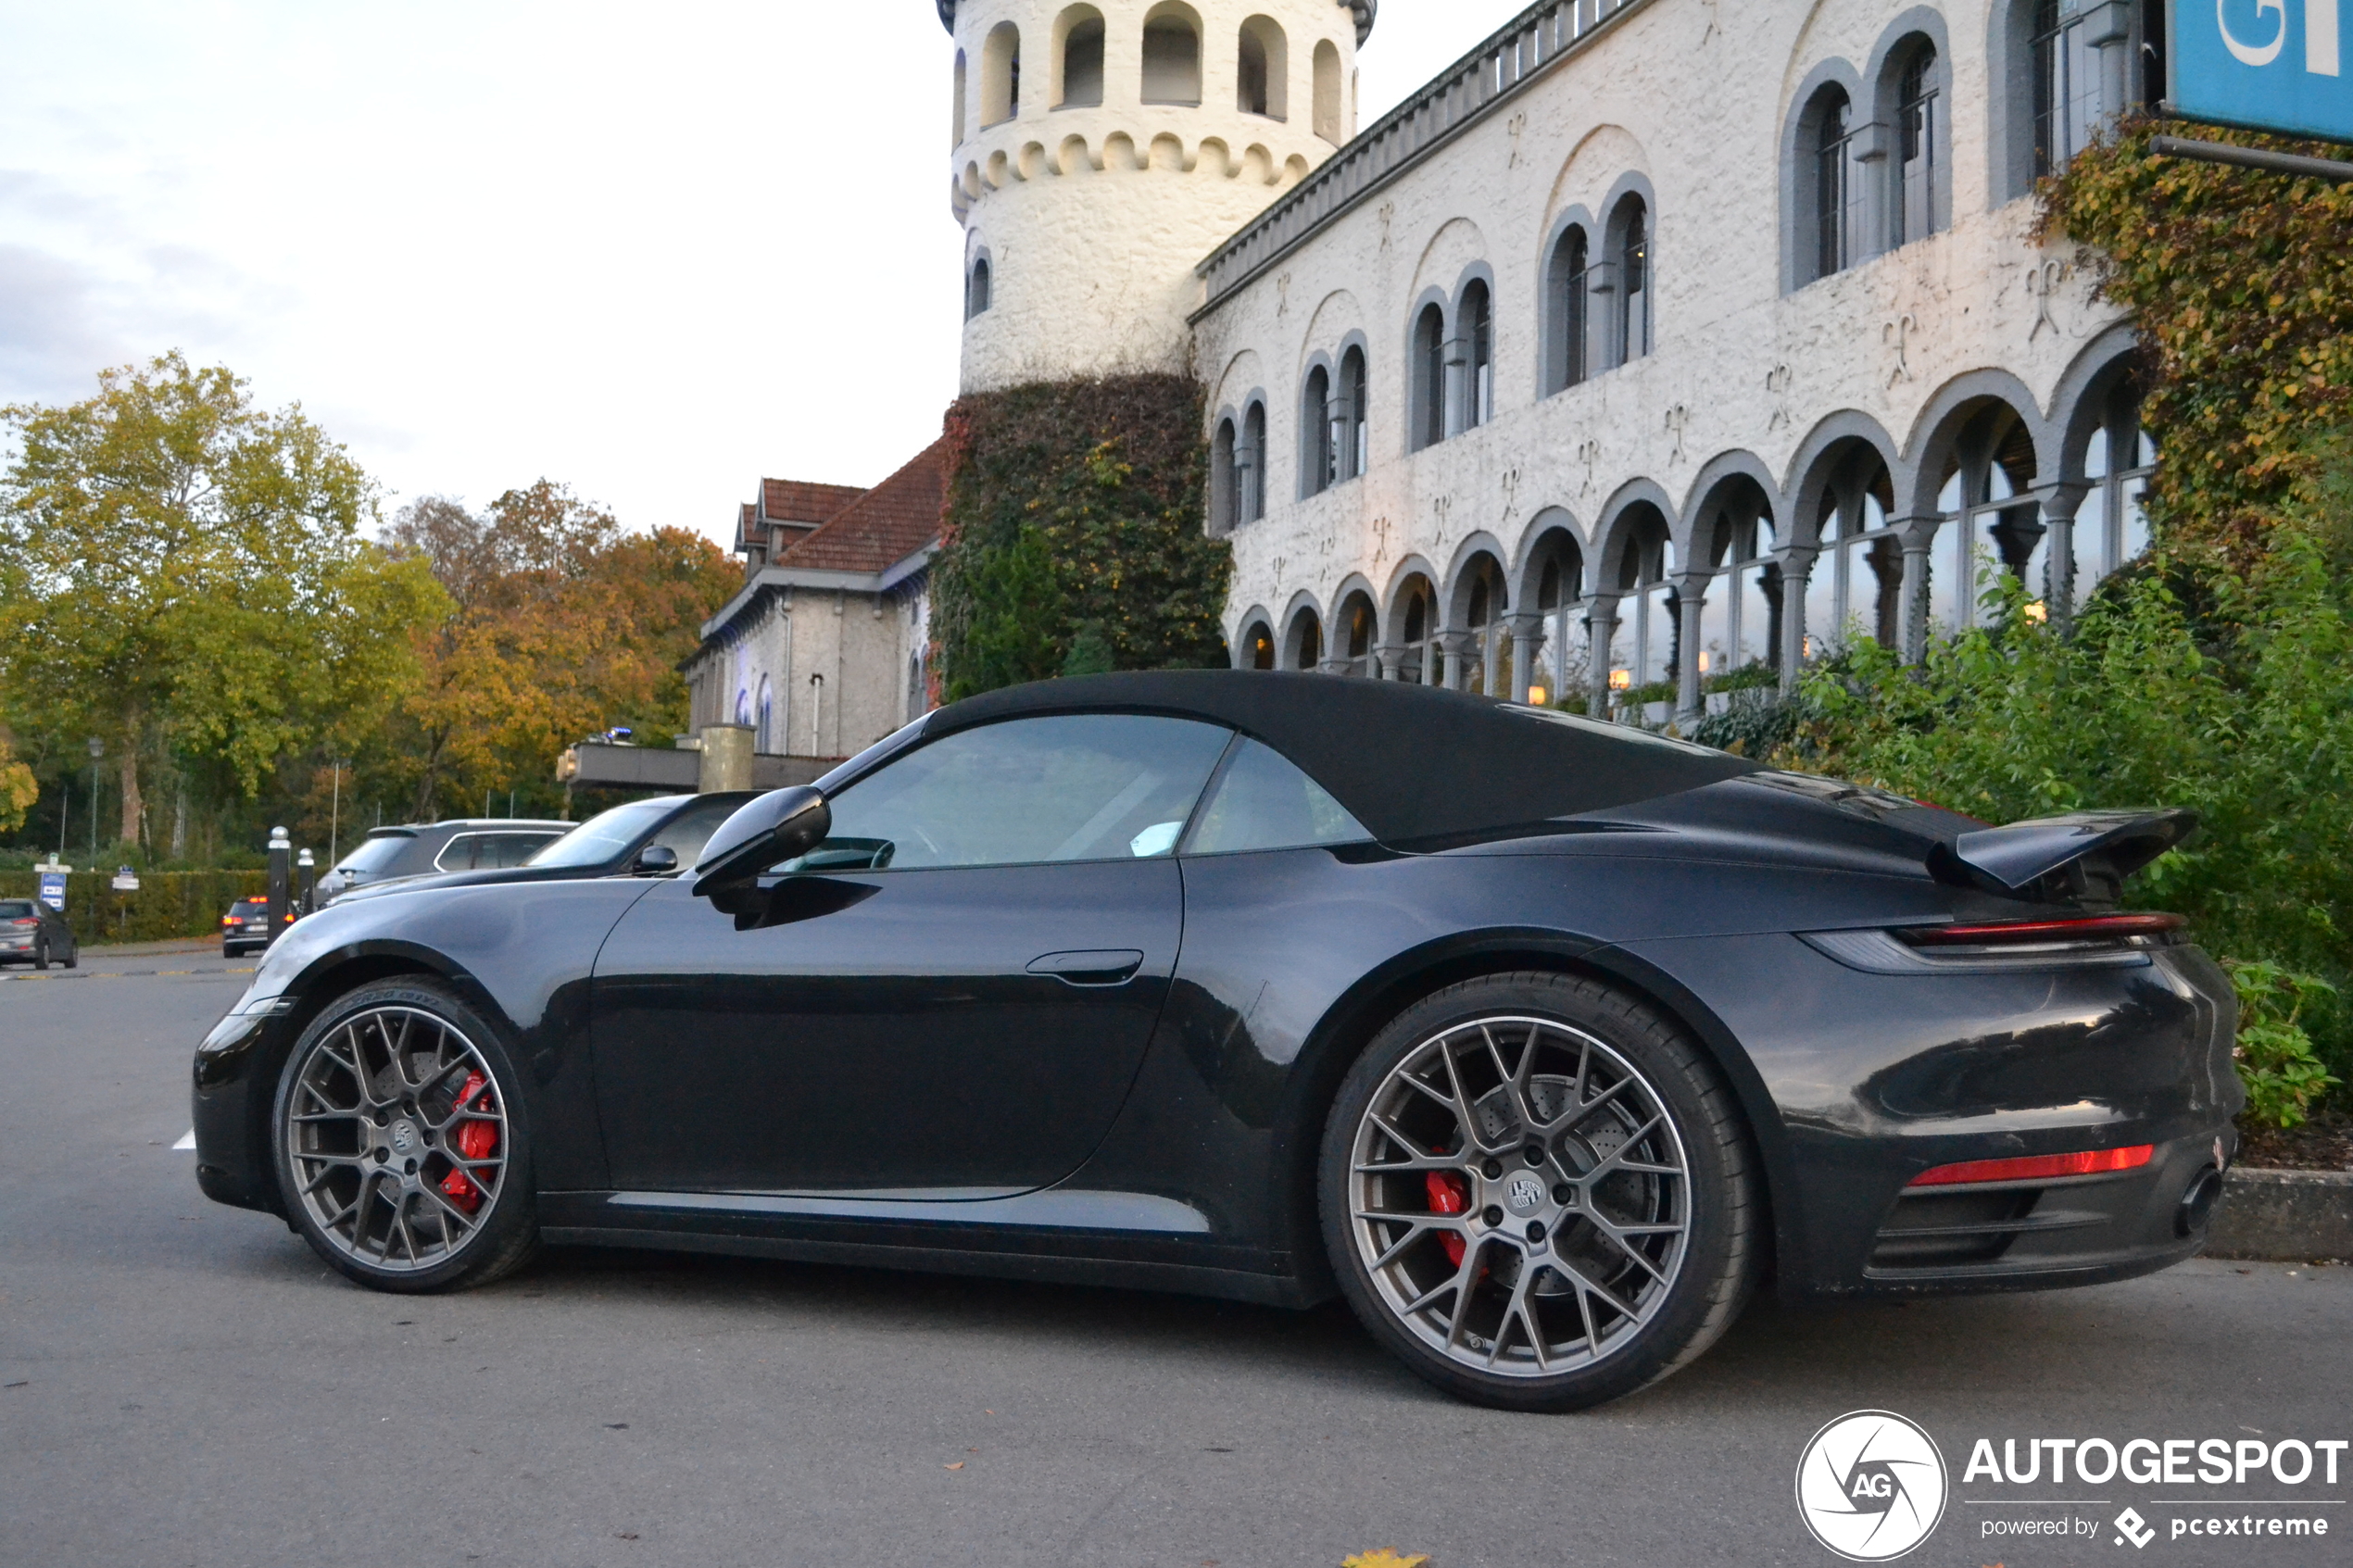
{"x": 484, "y": 241}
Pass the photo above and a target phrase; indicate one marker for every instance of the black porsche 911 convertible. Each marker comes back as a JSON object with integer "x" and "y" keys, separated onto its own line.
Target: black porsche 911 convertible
{"x": 1541, "y": 1041}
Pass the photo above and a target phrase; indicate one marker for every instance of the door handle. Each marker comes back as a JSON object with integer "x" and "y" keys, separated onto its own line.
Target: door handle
{"x": 1112, "y": 966}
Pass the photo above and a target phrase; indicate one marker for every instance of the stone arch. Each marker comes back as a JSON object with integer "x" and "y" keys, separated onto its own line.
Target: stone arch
{"x": 1914, "y": 211}
{"x": 1455, "y": 585}
{"x": 1302, "y": 642}
{"x": 1000, "y": 75}
{"x": 1356, "y": 626}
{"x": 1254, "y": 640}
{"x": 1171, "y": 61}
{"x": 1811, "y": 470}
{"x": 2079, "y": 405}
{"x": 1929, "y": 445}
{"x": 1262, "y": 75}
{"x": 1076, "y": 59}
{"x": 1705, "y": 485}
{"x": 1564, "y": 314}
{"x": 1621, "y": 515}
{"x": 1549, "y": 527}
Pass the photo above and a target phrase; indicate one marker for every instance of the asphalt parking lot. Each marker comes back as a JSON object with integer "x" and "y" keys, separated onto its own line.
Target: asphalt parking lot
{"x": 188, "y": 1385}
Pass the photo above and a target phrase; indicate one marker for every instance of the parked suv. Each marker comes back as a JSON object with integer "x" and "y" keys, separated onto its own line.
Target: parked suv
{"x": 30, "y": 932}
{"x": 649, "y": 837}
{"x": 420, "y": 849}
{"x": 245, "y": 928}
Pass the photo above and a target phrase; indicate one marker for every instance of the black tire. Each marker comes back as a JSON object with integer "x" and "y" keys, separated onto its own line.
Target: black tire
{"x": 40, "y": 954}
{"x": 74, "y": 956}
{"x": 506, "y": 1228}
{"x": 1678, "y": 1186}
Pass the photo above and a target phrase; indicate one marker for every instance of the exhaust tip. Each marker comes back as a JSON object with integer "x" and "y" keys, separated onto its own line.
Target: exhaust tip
{"x": 2197, "y": 1203}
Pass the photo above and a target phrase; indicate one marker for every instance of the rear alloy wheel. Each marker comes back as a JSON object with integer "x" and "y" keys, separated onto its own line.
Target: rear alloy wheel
{"x": 402, "y": 1153}
{"x": 1538, "y": 1192}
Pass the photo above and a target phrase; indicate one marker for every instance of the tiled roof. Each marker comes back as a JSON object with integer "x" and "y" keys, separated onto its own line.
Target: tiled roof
{"x": 792, "y": 500}
{"x": 882, "y": 526}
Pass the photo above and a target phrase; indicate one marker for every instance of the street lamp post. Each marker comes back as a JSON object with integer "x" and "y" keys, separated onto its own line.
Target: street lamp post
{"x": 97, "y": 751}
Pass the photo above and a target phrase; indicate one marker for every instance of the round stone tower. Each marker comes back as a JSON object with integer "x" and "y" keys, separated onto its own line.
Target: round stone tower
{"x": 1102, "y": 149}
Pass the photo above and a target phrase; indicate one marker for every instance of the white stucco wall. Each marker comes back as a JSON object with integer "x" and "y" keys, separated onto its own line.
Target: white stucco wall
{"x": 1694, "y": 98}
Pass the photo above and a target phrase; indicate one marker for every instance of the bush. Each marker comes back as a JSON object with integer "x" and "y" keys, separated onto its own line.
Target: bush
{"x": 2282, "y": 1075}
{"x": 167, "y": 905}
{"x": 1071, "y": 540}
{"x": 2179, "y": 686}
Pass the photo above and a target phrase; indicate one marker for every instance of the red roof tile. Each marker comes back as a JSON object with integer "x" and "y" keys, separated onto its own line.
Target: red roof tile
{"x": 792, "y": 500}
{"x": 884, "y": 526}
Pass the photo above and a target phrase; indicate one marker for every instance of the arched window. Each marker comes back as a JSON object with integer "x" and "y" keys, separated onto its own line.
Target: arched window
{"x": 1560, "y": 591}
{"x": 1831, "y": 190}
{"x": 976, "y": 289}
{"x": 1856, "y": 585}
{"x": 1740, "y": 630}
{"x": 957, "y": 140}
{"x": 2112, "y": 525}
{"x": 1262, "y": 70}
{"x": 1316, "y": 454}
{"x": 743, "y": 708}
{"x": 1630, "y": 263}
{"x": 1352, "y": 435}
{"x": 1476, "y": 324}
{"x": 1306, "y": 641}
{"x": 1082, "y": 58}
{"x": 1258, "y": 645}
{"x": 1224, "y": 497}
{"x": 1990, "y": 521}
{"x": 1251, "y": 463}
{"x": 1172, "y": 56}
{"x": 1353, "y": 635}
{"x": 1000, "y": 75}
{"x": 1428, "y": 390}
{"x": 1327, "y": 105}
{"x": 1482, "y": 669}
{"x": 1566, "y": 284}
{"x": 1417, "y": 621}
{"x": 1919, "y": 199}
{"x": 1644, "y": 653}
{"x": 2080, "y": 57}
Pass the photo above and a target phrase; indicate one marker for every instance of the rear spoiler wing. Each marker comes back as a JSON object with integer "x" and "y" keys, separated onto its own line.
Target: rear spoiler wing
{"x": 2084, "y": 854}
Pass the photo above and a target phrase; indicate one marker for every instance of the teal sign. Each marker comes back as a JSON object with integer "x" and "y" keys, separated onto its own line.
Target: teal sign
{"x": 2267, "y": 65}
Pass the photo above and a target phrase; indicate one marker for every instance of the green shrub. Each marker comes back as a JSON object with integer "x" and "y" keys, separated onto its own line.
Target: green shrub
{"x": 1072, "y": 539}
{"x": 2178, "y": 687}
{"x": 167, "y": 905}
{"x": 2282, "y": 1074}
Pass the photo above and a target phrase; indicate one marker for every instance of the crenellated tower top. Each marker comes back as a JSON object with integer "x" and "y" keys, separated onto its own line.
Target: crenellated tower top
{"x": 1102, "y": 149}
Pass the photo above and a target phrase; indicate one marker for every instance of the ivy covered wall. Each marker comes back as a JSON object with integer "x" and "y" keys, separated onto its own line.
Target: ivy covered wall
{"x": 1071, "y": 541}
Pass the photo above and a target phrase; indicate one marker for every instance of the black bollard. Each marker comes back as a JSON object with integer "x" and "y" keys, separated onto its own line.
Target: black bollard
{"x": 280, "y": 866}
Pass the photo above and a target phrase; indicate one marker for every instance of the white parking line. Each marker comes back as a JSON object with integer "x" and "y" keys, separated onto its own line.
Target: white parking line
{"x": 186, "y": 1144}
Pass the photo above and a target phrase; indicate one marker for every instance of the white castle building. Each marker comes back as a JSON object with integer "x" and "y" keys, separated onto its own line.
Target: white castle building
{"x": 1646, "y": 352}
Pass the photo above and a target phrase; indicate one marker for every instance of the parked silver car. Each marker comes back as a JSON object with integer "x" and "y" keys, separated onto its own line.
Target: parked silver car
{"x": 418, "y": 849}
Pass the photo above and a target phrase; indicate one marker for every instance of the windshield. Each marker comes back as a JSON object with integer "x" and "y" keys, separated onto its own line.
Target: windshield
{"x": 600, "y": 838}
{"x": 377, "y": 852}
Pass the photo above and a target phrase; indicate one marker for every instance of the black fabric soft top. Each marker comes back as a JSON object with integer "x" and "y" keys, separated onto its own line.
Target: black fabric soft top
{"x": 1415, "y": 764}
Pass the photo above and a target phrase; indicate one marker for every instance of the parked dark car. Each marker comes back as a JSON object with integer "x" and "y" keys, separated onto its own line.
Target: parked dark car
{"x": 643, "y": 838}
{"x": 30, "y": 932}
{"x": 245, "y": 928}
{"x": 420, "y": 849}
{"x": 1541, "y": 1041}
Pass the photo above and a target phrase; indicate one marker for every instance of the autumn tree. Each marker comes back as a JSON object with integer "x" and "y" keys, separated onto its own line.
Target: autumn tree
{"x": 187, "y": 578}
{"x": 562, "y": 624}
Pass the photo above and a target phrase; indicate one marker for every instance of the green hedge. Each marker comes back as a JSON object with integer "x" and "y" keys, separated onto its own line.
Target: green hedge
{"x": 167, "y": 905}
{"x": 1071, "y": 540}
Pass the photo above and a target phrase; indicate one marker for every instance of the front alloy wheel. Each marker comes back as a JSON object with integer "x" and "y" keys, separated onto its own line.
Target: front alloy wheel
{"x": 1540, "y": 1206}
{"x": 399, "y": 1151}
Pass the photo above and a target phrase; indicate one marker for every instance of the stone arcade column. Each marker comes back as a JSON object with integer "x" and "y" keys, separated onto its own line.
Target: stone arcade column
{"x": 1527, "y": 631}
{"x": 1390, "y": 657}
{"x": 1601, "y": 631}
{"x": 1455, "y": 648}
{"x": 1918, "y": 535}
{"x": 1690, "y": 599}
{"x": 2059, "y": 505}
{"x": 1797, "y": 572}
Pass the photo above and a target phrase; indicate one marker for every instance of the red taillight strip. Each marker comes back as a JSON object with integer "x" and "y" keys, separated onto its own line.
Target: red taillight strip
{"x": 2014, "y": 931}
{"x": 2038, "y": 1167}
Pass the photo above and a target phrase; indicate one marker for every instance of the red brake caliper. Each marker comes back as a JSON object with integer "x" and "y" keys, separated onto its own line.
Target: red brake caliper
{"x": 1449, "y": 1194}
{"x": 476, "y": 1140}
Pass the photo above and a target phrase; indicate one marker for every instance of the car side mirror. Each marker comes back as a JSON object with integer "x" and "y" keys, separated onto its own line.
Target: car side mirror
{"x": 655, "y": 860}
{"x": 778, "y": 826}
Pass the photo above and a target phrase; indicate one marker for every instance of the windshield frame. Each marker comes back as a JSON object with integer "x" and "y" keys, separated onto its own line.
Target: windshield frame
{"x": 640, "y": 817}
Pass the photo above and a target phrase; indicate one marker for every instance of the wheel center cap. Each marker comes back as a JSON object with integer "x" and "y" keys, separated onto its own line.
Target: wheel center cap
{"x": 404, "y": 1137}
{"x": 1524, "y": 1193}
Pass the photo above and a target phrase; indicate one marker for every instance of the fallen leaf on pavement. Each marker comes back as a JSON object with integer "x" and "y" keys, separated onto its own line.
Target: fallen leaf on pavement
{"x": 1386, "y": 1558}
{"x": 958, "y": 1465}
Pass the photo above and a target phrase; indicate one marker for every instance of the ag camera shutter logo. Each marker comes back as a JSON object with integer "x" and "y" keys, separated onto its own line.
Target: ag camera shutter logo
{"x": 1871, "y": 1485}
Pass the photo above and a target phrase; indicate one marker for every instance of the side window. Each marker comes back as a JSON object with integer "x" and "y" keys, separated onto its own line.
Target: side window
{"x": 1262, "y": 802}
{"x": 1094, "y": 786}
{"x": 458, "y": 854}
{"x": 505, "y": 850}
